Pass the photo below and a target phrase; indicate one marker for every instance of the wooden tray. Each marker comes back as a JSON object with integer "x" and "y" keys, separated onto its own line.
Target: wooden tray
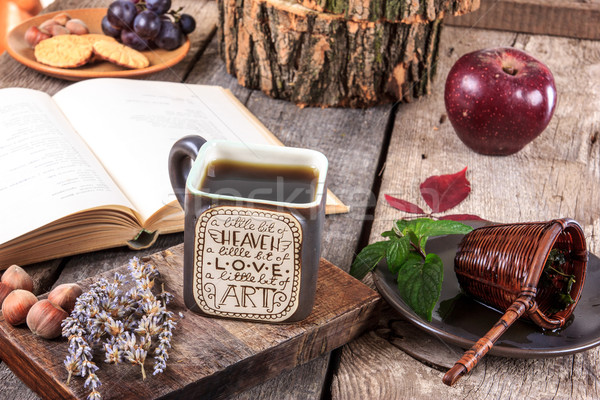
{"x": 211, "y": 358}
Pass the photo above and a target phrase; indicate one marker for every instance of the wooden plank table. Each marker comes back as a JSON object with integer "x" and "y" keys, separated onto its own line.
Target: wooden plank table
{"x": 577, "y": 19}
{"x": 557, "y": 175}
{"x": 351, "y": 139}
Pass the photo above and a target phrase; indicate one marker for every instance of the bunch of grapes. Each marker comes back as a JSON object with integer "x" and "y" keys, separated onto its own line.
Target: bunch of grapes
{"x": 144, "y": 24}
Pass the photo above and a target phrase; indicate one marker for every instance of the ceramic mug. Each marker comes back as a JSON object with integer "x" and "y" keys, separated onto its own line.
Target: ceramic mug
{"x": 254, "y": 216}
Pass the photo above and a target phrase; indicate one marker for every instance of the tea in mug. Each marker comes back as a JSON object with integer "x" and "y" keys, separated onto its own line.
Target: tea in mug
{"x": 282, "y": 183}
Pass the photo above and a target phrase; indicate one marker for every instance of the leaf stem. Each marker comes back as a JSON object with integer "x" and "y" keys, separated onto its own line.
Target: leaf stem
{"x": 414, "y": 246}
{"x": 418, "y": 250}
{"x": 559, "y": 272}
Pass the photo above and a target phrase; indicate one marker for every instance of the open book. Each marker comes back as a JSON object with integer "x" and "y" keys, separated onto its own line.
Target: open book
{"x": 86, "y": 169}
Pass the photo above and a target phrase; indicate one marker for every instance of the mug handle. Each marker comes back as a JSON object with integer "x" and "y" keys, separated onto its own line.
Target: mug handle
{"x": 182, "y": 155}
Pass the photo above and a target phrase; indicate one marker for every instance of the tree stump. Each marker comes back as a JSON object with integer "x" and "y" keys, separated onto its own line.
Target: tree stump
{"x": 404, "y": 11}
{"x": 318, "y": 59}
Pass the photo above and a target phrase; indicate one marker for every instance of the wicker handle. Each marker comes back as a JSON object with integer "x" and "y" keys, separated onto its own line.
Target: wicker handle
{"x": 472, "y": 356}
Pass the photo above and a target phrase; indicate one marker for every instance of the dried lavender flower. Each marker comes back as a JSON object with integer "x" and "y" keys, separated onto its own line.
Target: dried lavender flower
{"x": 126, "y": 324}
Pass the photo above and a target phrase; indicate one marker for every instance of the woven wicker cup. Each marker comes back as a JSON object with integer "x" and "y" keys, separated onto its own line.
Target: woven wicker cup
{"x": 501, "y": 266}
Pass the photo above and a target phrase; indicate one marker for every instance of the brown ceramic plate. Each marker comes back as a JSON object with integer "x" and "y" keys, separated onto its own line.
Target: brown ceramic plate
{"x": 460, "y": 320}
{"x": 18, "y": 48}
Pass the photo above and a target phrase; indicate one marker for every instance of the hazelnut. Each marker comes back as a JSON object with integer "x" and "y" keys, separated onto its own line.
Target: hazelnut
{"x": 65, "y": 296}
{"x": 17, "y": 278}
{"x": 34, "y": 35}
{"x": 4, "y": 291}
{"x": 16, "y": 306}
{"x": 77, "y": 27}
{"x": 47, "y": 24}
{"x": 56, "y": 30}
{"x": 44, "y": 319}
{"x": 61, "y": 18}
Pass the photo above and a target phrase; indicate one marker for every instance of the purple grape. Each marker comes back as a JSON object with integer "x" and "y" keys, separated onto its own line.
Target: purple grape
{"x": 158, "y": 6}
{"x": 188, "y": 23}
{"x": 170, "y": 36}
{"x": 147, "y": 24}
{"x": 110, "y": 30}
{"x": 133, "y": 40}
{"x": 121, "y": 13}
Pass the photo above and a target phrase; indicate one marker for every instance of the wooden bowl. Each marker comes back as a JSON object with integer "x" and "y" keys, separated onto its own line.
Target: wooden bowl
{"x": 18, "y": 48}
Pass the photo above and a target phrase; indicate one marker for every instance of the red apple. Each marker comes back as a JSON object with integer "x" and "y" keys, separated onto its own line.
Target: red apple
{"x": 499, "y": 100}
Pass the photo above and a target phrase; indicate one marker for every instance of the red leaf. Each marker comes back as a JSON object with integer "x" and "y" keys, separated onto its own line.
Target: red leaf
{"x": 442, "y": 192}
{"x": 462, "y": 217}
{"x": 403, "y": 205}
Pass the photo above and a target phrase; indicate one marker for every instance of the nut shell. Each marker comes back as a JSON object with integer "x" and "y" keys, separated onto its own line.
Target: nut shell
{"x": 47, "y": 24}
{"x": 16, "y": 306}
{"x": 17, "y": 278}
{"x": 44, "y": 319}
{"x": 34, "y": 35}
{"x": 62, "y": 18}
{"x": 4, "y": 291}
{"x": 77, "y": 27}
{"x": 65, "y": 296}
{"x": 56, "y": 30}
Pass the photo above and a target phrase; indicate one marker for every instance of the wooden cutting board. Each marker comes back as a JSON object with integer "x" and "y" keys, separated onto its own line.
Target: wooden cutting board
{"x": 211, "y": 358}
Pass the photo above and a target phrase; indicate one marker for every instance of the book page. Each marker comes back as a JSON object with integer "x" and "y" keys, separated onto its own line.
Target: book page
{"x": 47, "y": 172}
{"x": 132, "y": 124}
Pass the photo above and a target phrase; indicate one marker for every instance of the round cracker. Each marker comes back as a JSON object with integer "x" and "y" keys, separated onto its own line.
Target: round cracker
{"x": 64, "y": 51}
{"x": 94, "y": 37}
{"x": 120, "y": 54}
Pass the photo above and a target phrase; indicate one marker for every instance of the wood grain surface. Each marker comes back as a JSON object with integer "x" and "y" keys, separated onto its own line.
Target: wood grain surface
{"x": 406, "y": 12}
{"x": 351, "y": 139}
{"x": 554, "y": 176}
{"x": 210, "y": 357}
{"x": 572, "y": 18}
{"x": 318, "y": 59}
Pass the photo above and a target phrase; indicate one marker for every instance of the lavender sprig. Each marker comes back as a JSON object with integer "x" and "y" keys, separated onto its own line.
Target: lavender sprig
{"x": 127, "y": 325}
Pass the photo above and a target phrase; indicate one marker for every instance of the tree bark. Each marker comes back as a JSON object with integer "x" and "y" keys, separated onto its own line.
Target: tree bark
{"x": 317, "y": 59}
{"x": 404, "y": 11}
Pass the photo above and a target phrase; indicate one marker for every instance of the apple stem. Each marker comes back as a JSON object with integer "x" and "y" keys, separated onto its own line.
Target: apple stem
{"x": 509, "y": 70}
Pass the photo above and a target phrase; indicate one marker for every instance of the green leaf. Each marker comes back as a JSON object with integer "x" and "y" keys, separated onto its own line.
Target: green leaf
{"x": 413, "y": 230}
{"x": 419, "y": 280}
{"x": 442, "y": 227}
{"x": 423, "y": 243}
{"x": 420, "y": 285}
{"x": 415, "y": 225}
{"x": 413, "y": 237}
{"x": 368, "y": 258}
{"x": 397, "y": 252}
{"x": 411, "y": 259}
{"x": 400, "y": 225}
